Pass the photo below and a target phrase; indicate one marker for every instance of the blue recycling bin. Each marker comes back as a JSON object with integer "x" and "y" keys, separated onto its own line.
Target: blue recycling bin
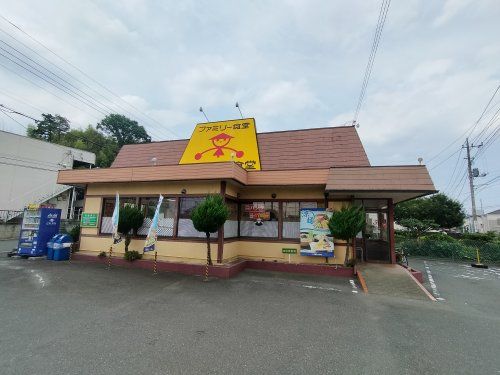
{"x": 50, "y": 247}
{"x": 62, "y": 247}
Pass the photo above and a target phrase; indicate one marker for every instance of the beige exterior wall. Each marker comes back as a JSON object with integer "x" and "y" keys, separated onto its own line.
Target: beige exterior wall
{"x": 192, "y": 251}
{"x": 271, "y": 251}
{"x": 170, "y": 251}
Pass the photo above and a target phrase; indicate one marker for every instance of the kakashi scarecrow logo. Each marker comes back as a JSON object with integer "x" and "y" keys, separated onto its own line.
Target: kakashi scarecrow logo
{"x": 220, "y": 142}
{"x": 224, "y": 141}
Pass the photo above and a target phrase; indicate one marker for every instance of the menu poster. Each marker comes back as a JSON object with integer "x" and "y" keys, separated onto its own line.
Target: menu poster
{"x": 315, "y": 237}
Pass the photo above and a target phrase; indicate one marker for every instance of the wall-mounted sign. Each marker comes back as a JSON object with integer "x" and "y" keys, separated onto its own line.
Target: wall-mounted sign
{"x": 315, "y": 238}
{"x": 89, "y": 220}
{"x": 233, "y": 140}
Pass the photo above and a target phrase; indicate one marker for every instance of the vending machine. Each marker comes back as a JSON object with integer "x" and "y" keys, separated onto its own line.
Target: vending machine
{"x": 39, "y": 225}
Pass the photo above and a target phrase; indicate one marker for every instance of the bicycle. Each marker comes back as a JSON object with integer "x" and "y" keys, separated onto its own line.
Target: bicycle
{"x": 402, "y": 258}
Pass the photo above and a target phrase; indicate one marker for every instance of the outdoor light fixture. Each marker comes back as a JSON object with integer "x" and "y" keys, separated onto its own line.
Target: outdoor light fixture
{"x": 273, "y": 195}
{"x": 183, "y": 191}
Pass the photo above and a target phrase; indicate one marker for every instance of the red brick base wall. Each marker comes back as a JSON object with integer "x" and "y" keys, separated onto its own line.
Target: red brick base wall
{"x": 222, "y": 271}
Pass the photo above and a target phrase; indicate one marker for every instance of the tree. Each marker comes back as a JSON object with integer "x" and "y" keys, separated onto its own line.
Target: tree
{"x": 346, "y": 224}
{"x": 445, "y": 212}
{"x": 417, "y": 227}
{"x": 51, "y": 129}
{"x": 130, "y": 220}
{"x": 89, "y": 139}
{"x": 123, "y": 130}
{"x": 209, "y": 216}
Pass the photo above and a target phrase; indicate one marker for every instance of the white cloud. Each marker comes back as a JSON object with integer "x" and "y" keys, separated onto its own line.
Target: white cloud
{"x": 290, "y": 64}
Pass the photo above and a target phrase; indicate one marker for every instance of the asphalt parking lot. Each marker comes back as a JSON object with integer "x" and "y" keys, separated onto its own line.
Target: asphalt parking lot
{"x": 79, "y": 318}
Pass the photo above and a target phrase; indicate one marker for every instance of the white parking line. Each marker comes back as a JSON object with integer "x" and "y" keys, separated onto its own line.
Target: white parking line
{"x": 433, "y": 284}
{"x": 354, "y": 286}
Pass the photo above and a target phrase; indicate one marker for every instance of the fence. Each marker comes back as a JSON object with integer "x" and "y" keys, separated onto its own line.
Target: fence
{"x": 11, "y": 216}
{"x": 463, "y": 249}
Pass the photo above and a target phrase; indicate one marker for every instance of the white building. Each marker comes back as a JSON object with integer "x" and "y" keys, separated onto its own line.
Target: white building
{"x": 489, "y": 222}
{"x": 28, "y": 174}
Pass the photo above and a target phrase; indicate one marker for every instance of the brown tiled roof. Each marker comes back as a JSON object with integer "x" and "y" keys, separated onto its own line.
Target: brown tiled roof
{"x": 284, "y": 150}
{"x": 387, "y": 178}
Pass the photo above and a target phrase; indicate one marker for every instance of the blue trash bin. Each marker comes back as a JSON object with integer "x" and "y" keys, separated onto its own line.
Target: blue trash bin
{"x": 62, "y": 247}
{"x": 50, "y": 247}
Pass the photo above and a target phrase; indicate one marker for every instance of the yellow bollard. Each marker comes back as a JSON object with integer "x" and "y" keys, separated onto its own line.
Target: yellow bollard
{"x": 109, "y": 258}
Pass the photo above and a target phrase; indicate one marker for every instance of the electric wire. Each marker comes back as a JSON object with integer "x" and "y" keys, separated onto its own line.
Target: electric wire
{"x": 87, "y": 76}
{"x": 384, "y": 8}
{"x": 469, "y": 130}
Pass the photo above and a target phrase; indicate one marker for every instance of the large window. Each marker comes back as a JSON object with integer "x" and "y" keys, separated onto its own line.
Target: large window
{"x": 108, "y": 206}
{"x": 186, "y": 227}
{"x": 291, "y": 217}
{"x": 166, "y": 216}
{"x": 259, "y": 219}
{"x": 231, "y": 225}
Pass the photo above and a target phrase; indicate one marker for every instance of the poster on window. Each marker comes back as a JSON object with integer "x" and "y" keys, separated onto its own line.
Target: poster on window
{"x": 315, "y": 237}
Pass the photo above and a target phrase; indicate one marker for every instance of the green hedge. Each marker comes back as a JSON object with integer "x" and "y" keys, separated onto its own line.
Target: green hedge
{"x": 451, "y": 248}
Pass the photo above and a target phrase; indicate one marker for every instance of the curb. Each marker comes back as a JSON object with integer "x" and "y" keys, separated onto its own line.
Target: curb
{"x": 362, "y": 281}
{"x": 427, "y": 293}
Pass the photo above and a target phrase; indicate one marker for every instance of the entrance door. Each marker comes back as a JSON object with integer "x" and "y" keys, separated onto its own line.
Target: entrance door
{"x": 376, "y": 236}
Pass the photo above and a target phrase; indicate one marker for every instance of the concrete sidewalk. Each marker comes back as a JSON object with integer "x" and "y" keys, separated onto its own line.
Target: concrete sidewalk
{"x": 392, "y": 280}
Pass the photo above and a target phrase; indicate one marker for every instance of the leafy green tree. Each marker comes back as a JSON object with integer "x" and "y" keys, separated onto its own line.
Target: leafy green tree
{"x": 416, "y": 228}
{"x": 445, "y": 212}
{"x": 130, "y": 220}
{"x": 89, "y": 139}
{"x": 123, "y": 130}
{"x": 51, "y": 129}
{"x": 346, "y": 224}
{"x": 209, "y": 216}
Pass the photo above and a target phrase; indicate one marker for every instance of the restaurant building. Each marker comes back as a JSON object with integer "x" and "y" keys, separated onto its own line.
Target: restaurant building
{"x": 267, "y": 179}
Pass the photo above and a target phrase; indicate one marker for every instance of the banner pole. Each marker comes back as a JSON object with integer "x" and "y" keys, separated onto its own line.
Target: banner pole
{"x": 155, "y": 271}
{"x": 109, "y": 258}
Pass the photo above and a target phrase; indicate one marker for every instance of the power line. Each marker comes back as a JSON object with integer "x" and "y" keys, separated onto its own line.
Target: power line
{"x": 50, "y": 92}
{"x": 29, "y": 166}
{"x": 469, "y": 130}
{"x": 53, "y": 84}
{"x": 87, "y": 99}
{"x": 454, "y": 170}
{"x": 66, "y": 73}
{"x": 86, "y": 75}
{"x": 384, "y": 8}
{"x": 73, "y": 90}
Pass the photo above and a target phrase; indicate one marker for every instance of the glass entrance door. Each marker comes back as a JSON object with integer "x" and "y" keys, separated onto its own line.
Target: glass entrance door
{"x": 376, "y": 236}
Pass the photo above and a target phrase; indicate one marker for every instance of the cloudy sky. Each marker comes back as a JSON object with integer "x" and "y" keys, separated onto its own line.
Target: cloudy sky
{"x": 290, "y": 64}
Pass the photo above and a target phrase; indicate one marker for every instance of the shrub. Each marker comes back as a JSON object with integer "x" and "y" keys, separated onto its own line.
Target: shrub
{"x": 209, "y": 216}
{"x": 345, "y": 225}
{"x": 132, "y": 255}
{"x": 75, "y": 233}
{"x": 483, "y": 237}
{"x": 102, "y": 254}
{"x": 131, "y": 219}
{"x": 456, "y": 249}
{"x": 438, "y": 237}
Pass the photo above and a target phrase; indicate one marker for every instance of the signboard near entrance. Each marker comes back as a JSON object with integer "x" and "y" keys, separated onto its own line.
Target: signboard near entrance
{"x": 233, "y": 140}
{"x": 315, "y": 238}
{"x": 89, "y": 220}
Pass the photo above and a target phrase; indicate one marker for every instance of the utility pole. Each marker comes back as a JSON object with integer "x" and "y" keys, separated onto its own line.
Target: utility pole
{"x": 472, "y": 173}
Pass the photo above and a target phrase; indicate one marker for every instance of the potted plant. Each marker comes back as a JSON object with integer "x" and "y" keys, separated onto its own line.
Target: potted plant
{"x": 345, "y": 225}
